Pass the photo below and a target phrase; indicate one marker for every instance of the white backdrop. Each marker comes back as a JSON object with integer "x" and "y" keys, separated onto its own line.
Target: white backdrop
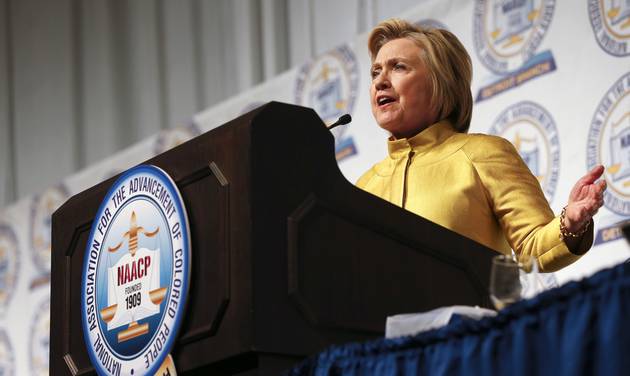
{"x": 552, "y": 77}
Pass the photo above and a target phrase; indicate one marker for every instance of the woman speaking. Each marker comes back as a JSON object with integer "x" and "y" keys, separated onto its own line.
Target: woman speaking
{"x": 474, "y": 184}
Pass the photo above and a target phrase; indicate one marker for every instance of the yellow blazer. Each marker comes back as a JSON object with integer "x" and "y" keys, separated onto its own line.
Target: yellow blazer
{"x": 476, "y": 185}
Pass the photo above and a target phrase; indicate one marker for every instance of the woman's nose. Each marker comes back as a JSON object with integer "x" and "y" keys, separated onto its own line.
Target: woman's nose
{"x": 381, "y": 82}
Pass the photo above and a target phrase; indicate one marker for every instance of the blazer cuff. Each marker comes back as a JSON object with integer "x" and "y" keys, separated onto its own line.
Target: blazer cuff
{"x": 560, "y": 255}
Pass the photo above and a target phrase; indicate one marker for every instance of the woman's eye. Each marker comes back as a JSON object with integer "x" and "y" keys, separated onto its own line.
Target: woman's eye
{"x": 399, "y": 66}
{"x": 375, "y": 73}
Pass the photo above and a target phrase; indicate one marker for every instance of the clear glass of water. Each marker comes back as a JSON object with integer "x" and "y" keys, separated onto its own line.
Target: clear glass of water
{"x": 513, "y": 279}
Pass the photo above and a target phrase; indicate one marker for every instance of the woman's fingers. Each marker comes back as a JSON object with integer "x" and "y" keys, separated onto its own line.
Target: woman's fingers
{"x": 588, "y": 191}
{"x": 591, "y": 176}
{"x": 596, "y": 190}
{"x": 600, "y": 186}
{"x": 583, "y": 186}
{"x": 587, "y": 196}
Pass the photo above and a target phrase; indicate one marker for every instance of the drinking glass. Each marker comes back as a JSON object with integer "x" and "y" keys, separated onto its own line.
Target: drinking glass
{"x": 513, "y": 279}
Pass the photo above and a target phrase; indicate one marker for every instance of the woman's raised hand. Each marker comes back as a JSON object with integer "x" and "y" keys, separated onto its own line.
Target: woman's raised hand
{"x": 586, "y": 197}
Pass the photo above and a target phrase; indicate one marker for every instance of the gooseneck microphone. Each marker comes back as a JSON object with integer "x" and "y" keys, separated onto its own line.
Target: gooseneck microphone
{"x": 343, "y": 119}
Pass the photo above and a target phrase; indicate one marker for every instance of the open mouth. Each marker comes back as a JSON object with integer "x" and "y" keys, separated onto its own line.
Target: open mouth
{"x": 384, "y": 100}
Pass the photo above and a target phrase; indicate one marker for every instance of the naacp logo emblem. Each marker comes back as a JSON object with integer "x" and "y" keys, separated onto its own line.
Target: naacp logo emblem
{"x": 40, "y": 339}
{"x": 329, "y": 85}
{"x": 610, "y": 21}
{"x": 42, "y": 208}
{"x": 533, "y": 132}
{"x": 508, "y": 32}
{"x": 8, "y": 266}
{"x": 136, "y": 274}
{"x": 609, "y": 144}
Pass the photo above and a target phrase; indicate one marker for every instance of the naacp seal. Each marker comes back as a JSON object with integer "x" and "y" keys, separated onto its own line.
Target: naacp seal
{"x": 610, "y": 21}
{"x": 533, "y": 132}
{"x": 135, "y": 274}
{"x": 329, "y": 85}
{"x": 609, "y": 144}
{"x": 508, "y": 32}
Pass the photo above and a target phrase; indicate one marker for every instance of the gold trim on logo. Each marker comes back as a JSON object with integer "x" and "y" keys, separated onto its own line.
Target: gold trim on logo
{"x": 134, "y": 330}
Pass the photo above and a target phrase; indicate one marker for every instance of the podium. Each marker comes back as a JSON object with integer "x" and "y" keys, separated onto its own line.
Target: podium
{"x": 288, "y": 257}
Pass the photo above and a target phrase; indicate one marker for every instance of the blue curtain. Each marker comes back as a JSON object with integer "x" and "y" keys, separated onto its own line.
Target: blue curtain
{"x": 581, "y": 328}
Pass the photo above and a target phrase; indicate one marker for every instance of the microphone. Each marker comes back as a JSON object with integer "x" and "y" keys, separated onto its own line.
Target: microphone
{"x": 343, "y": 120}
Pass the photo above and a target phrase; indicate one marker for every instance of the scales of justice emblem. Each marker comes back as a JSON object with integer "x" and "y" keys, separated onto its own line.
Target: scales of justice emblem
{"x": 133, "y": 284}
{"x": 511, "y": 19}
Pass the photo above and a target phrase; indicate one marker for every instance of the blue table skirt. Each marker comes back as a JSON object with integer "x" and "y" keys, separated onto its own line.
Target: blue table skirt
{"x": 581, "y": 328}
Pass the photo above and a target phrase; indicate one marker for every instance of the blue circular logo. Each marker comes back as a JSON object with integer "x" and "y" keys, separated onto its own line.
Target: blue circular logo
{"x": 507, "y": 33}
{"x": 610, "y": 21}
{"x": 136, "y": 274}
{"x": 329, "y": 85}
{"x": 532, "y": 131}
{"x": 609, "y": 144}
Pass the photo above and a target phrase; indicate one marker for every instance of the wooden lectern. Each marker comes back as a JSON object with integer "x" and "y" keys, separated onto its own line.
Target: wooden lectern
{"x": 288, "y": 257}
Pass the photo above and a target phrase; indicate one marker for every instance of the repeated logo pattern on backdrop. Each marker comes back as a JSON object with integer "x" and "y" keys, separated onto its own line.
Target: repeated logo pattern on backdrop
{"x": 330, "y": 85}
{"x": 533, "y": 132}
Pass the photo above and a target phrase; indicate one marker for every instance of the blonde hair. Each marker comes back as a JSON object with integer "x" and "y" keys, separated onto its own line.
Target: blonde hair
{"x": 446, "y": 59}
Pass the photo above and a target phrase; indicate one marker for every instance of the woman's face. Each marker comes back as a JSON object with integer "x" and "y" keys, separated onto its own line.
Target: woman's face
{"x": 400, "y": 92}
